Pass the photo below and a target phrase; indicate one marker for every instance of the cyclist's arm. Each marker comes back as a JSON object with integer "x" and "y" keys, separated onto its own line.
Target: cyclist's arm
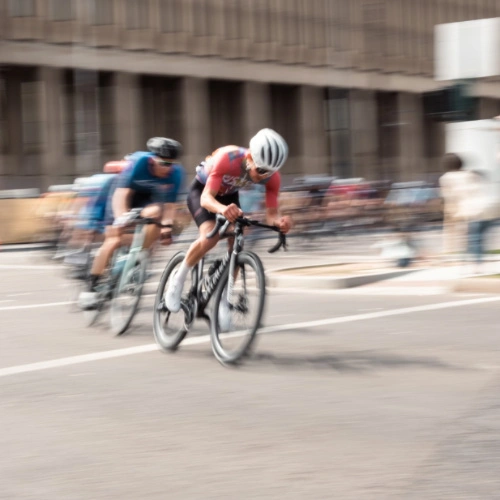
{"x": 209, "y": 202}
{"x": 272, "y": 192}
{"x": 121, "y": 201}
{"x": 273, "y": 216}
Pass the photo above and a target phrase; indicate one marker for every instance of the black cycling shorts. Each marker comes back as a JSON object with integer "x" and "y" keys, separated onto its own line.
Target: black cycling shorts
{"x": 200, "y": 214}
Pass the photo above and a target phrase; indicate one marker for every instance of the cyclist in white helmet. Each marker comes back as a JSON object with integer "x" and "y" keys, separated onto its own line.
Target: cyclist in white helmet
{"x": 215, "y": 191}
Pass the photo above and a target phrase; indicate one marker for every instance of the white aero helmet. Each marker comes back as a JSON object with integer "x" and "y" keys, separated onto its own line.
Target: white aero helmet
{"x": 268, "y": 149}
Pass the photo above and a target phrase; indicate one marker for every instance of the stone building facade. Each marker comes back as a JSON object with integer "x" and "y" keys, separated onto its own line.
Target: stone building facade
{"x": 85, "y": 81}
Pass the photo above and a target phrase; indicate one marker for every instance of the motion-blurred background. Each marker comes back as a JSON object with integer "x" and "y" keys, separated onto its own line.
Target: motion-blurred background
{"x": 349, "y": 84}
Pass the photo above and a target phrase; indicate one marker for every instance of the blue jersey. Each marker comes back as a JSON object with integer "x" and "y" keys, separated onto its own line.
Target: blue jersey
{"x": 138, "y": 177}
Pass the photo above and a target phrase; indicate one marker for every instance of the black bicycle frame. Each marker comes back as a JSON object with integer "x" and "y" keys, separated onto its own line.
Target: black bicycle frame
{"x": 208, "y": 283}
{"x": 204, "y": 286}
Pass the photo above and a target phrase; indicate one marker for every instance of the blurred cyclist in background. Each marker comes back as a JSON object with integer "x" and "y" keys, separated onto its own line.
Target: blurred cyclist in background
{"x": 215, "y": 190}
{"x": 151, "y": 181}
{"x": 90, "y": 218}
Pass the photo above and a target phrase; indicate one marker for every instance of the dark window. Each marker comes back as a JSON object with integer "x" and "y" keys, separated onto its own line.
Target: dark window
{"x": 3, "y": 117}
{"x": 339, "y": 132}
{"x": 69, "y": 113}
{"x": 225, "y": 113}
{"x": 30, "y": 116}
{"x": 389, "y": 125}
{"x": 106, "y": 106}
{"x": 161, "y": 105}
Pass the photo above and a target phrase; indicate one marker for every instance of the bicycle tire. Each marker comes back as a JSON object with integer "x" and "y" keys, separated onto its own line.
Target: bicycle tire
{"x": 223, "y": 355}
{"x": 119, "y": 322}
{"x": 165, "y": 340}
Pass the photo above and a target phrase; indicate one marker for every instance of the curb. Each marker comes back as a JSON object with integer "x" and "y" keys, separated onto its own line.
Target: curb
{"x": 477, "y": 285}
{"x": 275, "y": 279}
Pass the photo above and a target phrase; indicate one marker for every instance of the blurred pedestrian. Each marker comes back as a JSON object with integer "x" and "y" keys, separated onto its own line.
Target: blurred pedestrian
{"x": 478, "y": 210}
{"x": 454, "y": 188}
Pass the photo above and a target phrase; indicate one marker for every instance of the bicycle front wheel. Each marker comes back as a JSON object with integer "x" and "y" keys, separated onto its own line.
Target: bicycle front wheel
{"x": 234, "y": 324}
{"x": 127, "y": 296}
{"x": 169, "y": 328}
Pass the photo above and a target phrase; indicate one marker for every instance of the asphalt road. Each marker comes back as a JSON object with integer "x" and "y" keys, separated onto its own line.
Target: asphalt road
{"x": 350, "y": 395}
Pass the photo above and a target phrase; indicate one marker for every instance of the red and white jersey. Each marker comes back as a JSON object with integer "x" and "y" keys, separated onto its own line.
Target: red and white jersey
{"x": 225, "y": 171}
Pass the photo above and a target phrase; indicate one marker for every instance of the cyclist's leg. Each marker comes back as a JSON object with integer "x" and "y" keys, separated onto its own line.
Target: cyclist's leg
{"x": 112, "y": 242}
{"x": 151, "y": 232}
{"x": 196, "y": 251}
{"x": 205, "y": 222}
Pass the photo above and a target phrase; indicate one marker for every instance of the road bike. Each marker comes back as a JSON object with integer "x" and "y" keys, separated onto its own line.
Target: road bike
{"x": 122, "y": 284}
{"x": 237, "y": 281}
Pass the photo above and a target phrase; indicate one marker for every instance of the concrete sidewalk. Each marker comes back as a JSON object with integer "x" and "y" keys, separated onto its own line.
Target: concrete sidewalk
{"x": 439, "y": 277}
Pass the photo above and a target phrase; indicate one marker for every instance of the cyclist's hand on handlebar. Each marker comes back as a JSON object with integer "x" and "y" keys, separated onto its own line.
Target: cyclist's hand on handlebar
{"x": 232, "y": 212}
{"x": 121, "y": 221}
{"x": 166, "y": 236}
{"x": 284, "y": 224}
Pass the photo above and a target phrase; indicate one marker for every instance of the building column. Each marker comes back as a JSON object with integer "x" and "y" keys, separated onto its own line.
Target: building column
{"x": 195, "y": 122}
{"x": 127, "y": 110}
{"x": 312, "y": 133}
{"x": 364, "y": 140}
{"x": 256, "y": 108}
{"x": 411, "y": 144}
{"x": 54, "y": 167}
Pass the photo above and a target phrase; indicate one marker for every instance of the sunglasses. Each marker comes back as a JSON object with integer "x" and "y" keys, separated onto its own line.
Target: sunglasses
{"x": 164, "y": 163}
{"x": 262, "y": 171}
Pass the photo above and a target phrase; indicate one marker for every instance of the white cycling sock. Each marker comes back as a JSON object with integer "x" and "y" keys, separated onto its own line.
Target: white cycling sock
{"x": 182, "y": 272}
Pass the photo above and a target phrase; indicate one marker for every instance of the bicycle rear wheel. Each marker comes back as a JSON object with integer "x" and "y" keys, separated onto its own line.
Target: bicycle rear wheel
{"x": 234, "y": 326}
{"x": 127, "y": 296}
{"x": 169, "y": 328}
